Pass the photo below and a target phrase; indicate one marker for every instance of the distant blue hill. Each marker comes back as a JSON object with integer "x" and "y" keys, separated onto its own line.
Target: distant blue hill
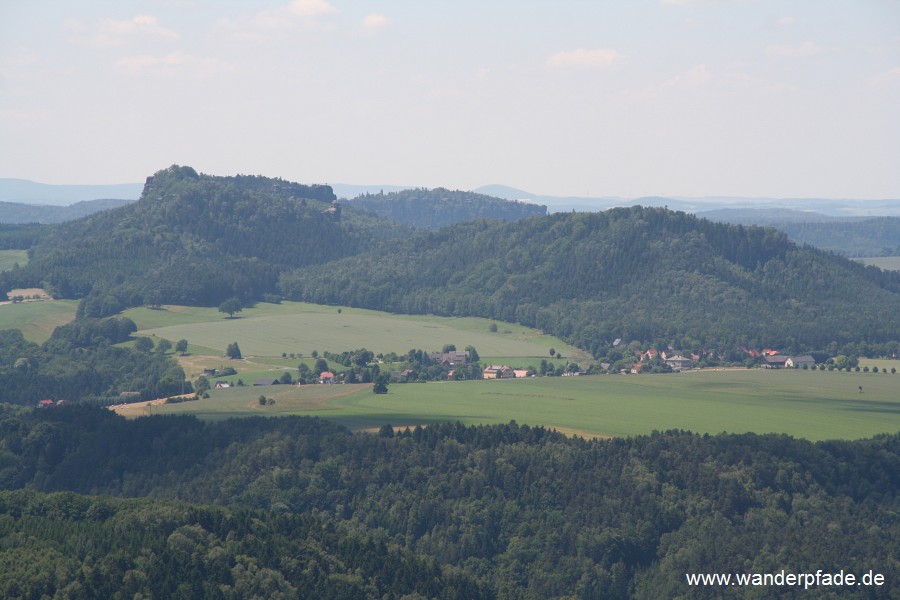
{"x": 23, "y": 191}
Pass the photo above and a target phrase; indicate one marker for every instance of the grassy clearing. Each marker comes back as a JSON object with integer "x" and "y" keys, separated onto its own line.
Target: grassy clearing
{"x": 244, "y": 402}
{"x": 270, "y": 329}
{"x": 37, "y": 320}
{"x": 8, "y": 258}
{"x": 887, "y": 263}
{"x": 813, "y": 405}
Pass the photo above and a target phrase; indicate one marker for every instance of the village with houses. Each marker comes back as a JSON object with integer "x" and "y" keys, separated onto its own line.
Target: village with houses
{"x": 450, "y": 364}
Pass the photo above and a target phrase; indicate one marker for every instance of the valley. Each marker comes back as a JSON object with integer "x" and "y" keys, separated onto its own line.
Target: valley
{"x": 241, "y": 384}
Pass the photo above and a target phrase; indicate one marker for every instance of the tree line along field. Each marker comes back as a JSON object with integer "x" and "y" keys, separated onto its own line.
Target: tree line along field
{"x": 815, "y": 405}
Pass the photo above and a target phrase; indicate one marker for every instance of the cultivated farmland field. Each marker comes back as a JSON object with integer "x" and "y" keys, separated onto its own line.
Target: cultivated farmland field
{"x": 271, "y": 329}
{"x": 814, "y": 405}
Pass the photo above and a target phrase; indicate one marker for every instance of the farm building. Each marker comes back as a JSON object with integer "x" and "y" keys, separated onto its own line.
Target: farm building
{"x": 799, "y": 362}
{"x": 497, "y": 372}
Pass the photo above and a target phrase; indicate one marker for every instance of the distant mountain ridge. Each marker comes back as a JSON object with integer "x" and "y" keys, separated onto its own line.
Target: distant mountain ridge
{"x": 23, "y": 191}
{"x": 436, "y": 208}
{"x": 14, "y": 212}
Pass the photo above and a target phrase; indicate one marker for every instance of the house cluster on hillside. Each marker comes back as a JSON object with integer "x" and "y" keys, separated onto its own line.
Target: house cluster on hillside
{"x": 503, "y": 372}
{"x": 655, "y": 360}
{"x": 50, "y": 403}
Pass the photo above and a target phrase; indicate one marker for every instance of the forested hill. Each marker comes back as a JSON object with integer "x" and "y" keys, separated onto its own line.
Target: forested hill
{"x": 436, "y": 208}
{"x": 646, "y": 274}
{"x": 195, "y": 239}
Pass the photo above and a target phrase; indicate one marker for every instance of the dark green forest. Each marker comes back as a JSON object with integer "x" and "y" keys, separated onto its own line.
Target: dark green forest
{"x": 436, "y": 208}
{"x": 300, "y": 508}
{"x": 645, "y": 274}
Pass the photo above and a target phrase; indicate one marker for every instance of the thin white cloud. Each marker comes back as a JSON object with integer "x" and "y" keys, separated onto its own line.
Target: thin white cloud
{"x": 681, "y": 2}
{"x": 297, "y": 14}
{"x": 785, "y": 22}
{"x": 803, "y": 50}
{"x": 171, "y": 61}
{"x": 584, "y": 58}
{"x": 115, "y": 32}
{"x": 696, "y": 75}
{"x": 886, "y": 78}
{"x": 310, "y": 8}
{"x": 376, "y": 21}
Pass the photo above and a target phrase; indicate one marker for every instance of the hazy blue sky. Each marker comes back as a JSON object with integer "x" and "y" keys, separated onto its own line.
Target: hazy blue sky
{"x": 617, "y": 98}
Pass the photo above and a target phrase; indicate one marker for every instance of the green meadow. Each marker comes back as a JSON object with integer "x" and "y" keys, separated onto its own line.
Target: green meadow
{"x": 37, "y": 320}
{"x": 814, "y": 405}
{"x": 273, "y": 329}
{"x": 8, "y": 258}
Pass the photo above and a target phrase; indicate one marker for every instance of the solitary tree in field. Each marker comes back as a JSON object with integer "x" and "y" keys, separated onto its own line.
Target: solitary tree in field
{"x": 381, "y": 384}
{"x": 230, "y": 306}
{"x": 181, "y": 346}
{"x": 233, "y": 351}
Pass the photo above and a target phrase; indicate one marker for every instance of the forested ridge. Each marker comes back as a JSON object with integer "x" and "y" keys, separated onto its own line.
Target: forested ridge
{"x": 439, "y": 207}
{"x": 193, "y": 239}
{"x": 503, "y": 511}
{"x": 644, "y": 274}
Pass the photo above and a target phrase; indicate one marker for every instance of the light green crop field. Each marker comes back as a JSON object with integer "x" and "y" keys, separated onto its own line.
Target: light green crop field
{"x": 271, "y": 329}
{"x": 814, "y": 405}
{"x": 883, "y": 364}
{"x": 887, "y": 263}
{"x": 37, "y": 320}
{"x": 8, "y": 258}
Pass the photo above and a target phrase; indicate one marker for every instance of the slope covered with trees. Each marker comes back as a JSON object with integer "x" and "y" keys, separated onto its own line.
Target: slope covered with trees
{"x": 644, "y": 274}
{"x": 436, "y": 208}
{"x": 193, "y": 239}
{"x": 501, "y": 511}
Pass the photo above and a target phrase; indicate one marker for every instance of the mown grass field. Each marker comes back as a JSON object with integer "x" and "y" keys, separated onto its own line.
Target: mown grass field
{"x": 37, "y": 320}
{"x": 8, "y": 258}
{"x": 271, "y": 329}
{"x": 813, "y": 405}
